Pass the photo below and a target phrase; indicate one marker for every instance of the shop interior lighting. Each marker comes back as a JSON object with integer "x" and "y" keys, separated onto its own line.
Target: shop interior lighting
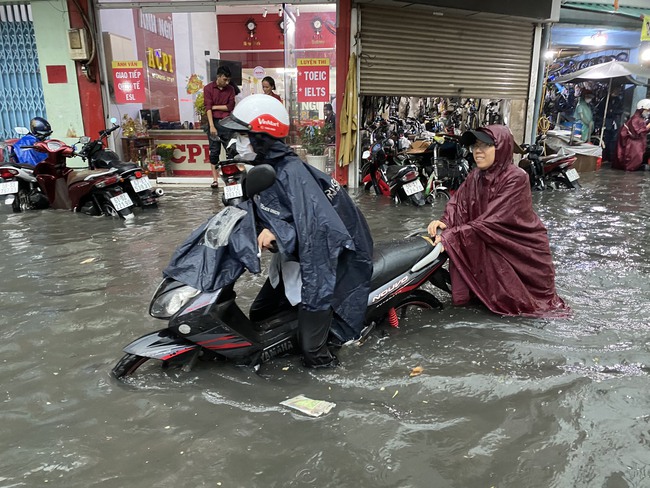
{"x": 280, "y": 12}
{"x": 297, "y": 11}
{"x": 265, "y": 13}
{"x": 645, "y": 55}
{"x": 550, "y": 54}
{"x": 598, "y": 39}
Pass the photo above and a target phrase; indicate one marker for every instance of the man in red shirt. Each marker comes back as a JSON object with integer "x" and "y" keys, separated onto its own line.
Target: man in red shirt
{"x": 219, "y": 99}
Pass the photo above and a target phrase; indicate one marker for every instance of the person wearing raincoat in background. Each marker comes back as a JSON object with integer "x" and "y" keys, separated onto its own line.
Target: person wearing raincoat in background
{"x": 632, "y": 139}
{"x": 324, "y": 260}
{"x": 497, "y": 245}
{"x": 39, "y": 130}
{"x": 584, "y": 115}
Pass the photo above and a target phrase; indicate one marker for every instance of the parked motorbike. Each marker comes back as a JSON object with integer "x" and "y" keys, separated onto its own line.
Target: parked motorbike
{"x": 232, "y": 172}
{"x": 93, "y": 192}
{"x": 18, "y": 184}
{"x": 213, "y": 326}
{"x": 134, "y": 181}
{"x": 553, "y": 171}
{"x": 397, "y": 181}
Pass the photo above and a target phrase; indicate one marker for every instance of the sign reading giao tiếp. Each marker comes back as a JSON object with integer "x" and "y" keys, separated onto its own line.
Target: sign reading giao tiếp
{"x": 128, "y": 82}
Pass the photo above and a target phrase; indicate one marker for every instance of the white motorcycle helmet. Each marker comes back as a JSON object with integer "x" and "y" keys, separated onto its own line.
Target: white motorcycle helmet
{"x": 643, "y": 104}
{"x": 259, "y": 114}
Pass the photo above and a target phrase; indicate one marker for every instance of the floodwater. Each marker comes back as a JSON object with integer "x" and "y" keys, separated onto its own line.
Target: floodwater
{"x": 501, "y": 402}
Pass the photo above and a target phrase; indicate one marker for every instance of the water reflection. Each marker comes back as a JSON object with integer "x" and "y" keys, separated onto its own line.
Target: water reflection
{"x": 501, "y": 401}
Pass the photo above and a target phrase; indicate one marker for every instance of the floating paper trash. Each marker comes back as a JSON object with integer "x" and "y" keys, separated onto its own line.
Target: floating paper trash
{"x": 314, "y": 408}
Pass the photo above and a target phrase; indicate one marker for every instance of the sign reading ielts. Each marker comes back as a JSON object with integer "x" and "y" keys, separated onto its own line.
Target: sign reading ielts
{"x": 313, "y": 80}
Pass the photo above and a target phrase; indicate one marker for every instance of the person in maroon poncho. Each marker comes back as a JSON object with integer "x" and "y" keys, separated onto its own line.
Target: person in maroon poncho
{"x": 631, "y": 143}
{"x": 497, "y": 245}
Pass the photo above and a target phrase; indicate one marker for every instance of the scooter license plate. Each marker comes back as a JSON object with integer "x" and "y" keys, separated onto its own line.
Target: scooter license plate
{"x": 232, "y": 191}
{"x": 413, "y": 187}
{"x": 141, "y": 184}
{"x": 122, "y": 201}
{"x": 572, "y": 174}
{"x": 8, "y": 187}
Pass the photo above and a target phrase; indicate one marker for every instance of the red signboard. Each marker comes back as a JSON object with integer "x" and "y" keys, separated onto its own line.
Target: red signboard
{"x": 313, "y": 80}
{"x": 128, "y": 82}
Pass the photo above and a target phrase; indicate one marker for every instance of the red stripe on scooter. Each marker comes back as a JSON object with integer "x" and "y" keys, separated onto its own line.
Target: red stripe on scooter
{"x": 177, "y": 353}
{"x": 222, "y": 338}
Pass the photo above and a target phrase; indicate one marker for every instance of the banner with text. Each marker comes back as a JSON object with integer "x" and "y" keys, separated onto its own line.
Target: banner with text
{"x": 128, "y": 82}
{"x": 313, "y": 79}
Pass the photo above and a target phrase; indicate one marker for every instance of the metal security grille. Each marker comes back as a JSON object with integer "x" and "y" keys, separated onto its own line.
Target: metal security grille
{"x": 414, "y": 53}
{"x": 21, "y": 92}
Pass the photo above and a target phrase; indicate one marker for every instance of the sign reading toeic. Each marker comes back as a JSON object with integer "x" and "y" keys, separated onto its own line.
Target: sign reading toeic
{"x": 313, "y": 80}
{"x": 128, "y": 82}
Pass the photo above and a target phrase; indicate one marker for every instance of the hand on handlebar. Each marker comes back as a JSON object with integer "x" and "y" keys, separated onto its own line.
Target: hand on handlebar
{"x": 434, "y": 229}
{"x": 266, "y": 240}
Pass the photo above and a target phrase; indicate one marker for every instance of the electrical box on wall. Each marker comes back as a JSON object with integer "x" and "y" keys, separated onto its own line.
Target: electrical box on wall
{"x": 78, "y": 45}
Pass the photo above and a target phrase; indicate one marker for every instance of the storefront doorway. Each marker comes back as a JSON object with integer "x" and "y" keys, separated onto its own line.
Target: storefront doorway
{"x": 158, "y": 60}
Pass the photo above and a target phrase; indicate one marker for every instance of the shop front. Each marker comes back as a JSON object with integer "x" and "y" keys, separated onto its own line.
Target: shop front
{"x": 157, "y": 63}
{"x": 458, "y": 69}
{"x": 587, "y": 113}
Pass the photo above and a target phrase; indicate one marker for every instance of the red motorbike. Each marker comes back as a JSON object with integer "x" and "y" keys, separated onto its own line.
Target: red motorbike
{"x": 93, "y": 192}
{"x": 553, "y": 171}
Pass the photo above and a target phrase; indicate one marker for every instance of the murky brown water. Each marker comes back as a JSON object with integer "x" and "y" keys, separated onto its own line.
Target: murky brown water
{"x": 501, "y": 403}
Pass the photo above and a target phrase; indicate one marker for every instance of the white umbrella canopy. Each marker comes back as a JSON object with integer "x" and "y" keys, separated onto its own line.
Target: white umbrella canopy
{"x": 605, "y": 71}
{"x": 621, "y": 71}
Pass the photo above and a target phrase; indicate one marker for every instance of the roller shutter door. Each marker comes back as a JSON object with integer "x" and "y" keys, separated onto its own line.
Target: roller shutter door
{"x": 414, "y": 53}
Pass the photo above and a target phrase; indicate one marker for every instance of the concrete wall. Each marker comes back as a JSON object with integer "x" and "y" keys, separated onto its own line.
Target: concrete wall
{"x": 51, "y": 23}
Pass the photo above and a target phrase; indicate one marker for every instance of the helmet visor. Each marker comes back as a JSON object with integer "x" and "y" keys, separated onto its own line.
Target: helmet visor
{"x": 233, "y": 123}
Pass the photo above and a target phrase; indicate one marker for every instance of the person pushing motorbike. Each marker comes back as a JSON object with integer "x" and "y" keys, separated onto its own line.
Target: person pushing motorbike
{"x": 39, "y": 130}
{"x": 324, "y": 259}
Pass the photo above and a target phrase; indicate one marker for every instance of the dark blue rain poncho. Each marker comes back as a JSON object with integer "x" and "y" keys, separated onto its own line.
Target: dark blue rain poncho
{"x": 28, "y": 156}
{"x": 219, "y": 251}
{"x": 314, "y": 220}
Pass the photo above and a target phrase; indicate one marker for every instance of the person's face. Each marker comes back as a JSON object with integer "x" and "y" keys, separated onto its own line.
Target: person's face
{"x": 483, "y": 154}
{"x": 327, "y": 111}
{"x": 266, "y": 87}
{"x": 223, "y": 81}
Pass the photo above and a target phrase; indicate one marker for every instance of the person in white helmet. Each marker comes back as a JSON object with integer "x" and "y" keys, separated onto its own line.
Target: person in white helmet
{"x": 324, "y": 260}
{"x": 631, "y": 142}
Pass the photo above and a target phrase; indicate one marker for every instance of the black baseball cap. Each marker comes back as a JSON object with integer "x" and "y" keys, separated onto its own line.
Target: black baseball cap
{"x": 471, "y": 136}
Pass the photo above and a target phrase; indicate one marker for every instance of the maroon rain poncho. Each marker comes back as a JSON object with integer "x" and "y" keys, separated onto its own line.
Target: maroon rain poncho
{"x": 631, "y": 143}
{"x": 497, "y": 245}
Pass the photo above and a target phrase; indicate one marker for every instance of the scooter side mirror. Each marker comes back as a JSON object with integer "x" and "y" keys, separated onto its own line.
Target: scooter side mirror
{"x": 258, "y": 179}
{"x": 21, "y": 130}
{"x": 113, "y": 120}
{"x": 84, "y": 139}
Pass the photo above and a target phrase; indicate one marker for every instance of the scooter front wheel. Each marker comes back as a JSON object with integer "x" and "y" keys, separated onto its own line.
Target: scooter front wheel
{"x": 128, "y": 365}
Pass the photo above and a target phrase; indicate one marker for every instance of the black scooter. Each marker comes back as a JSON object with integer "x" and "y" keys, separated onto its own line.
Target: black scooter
{"x": 134, "y": 181}
{"x": 212, "y": 325}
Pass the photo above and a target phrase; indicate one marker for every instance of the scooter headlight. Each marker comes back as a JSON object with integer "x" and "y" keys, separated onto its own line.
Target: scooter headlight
{"x": 167, "y": 304}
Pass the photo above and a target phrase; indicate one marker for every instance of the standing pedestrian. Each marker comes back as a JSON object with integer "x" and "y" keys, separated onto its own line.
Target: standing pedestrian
{"x": 219, "y": 99}
{"x": 632, "y": 139}
{"x": 268, "y": 87}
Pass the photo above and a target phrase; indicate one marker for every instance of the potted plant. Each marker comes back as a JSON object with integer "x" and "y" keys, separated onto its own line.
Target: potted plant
{"x": 166, "y": 152}
{"x": 199, "y": 109}
{"x": 314, "y": 140}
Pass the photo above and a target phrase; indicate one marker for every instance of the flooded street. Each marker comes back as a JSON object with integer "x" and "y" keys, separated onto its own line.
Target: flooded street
{"x": 501, "y": 402}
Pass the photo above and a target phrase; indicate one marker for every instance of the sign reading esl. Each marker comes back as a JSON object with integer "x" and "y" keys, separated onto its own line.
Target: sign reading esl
{"x": 128, "y": 82}
{"x": 313, "y": 79}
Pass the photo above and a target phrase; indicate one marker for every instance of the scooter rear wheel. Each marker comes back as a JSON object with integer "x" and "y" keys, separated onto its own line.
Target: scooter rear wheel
{"x": 128, "y": 365}
{"x": 417, "y": 298}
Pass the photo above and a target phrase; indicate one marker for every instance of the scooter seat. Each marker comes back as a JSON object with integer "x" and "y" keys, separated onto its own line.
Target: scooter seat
{"x": 77, "y": 176}
{"x": 124, "y": 167}
{"x": 392, "y": 258}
